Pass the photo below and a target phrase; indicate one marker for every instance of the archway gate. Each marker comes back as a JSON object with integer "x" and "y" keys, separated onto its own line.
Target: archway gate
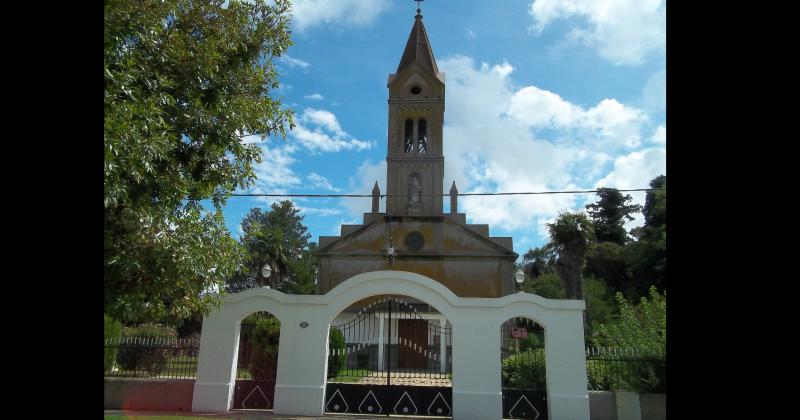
{"x": 476, "y": 384}
{"x": 390, "y": 355}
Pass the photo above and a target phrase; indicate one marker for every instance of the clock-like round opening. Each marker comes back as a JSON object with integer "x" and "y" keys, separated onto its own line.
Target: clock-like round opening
{"x": 415, "y": 90}
{"x": 415, "y": 241}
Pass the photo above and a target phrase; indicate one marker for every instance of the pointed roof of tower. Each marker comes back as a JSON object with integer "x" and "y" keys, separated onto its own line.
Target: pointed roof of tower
{"x": 418, "y": 48}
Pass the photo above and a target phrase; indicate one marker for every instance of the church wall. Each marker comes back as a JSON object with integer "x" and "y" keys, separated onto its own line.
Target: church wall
{"x": 464, "y": 277}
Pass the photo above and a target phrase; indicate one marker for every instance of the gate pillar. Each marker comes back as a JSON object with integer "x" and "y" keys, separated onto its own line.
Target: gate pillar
{"x": 216, "y": 373}
{"x": 565, "y": 361}
{"x": 476, "y": 366}
{"x": 302, "y": 362}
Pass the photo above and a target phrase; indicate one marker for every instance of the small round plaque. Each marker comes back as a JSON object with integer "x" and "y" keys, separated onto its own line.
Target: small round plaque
{"x": 415, "y": 241}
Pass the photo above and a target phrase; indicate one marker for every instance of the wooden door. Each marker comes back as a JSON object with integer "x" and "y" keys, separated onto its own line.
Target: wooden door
{"x": 412, "y": 343}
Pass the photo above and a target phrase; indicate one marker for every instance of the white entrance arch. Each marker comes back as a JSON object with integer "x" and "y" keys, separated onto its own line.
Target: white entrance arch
{"x": 305, "y": 321}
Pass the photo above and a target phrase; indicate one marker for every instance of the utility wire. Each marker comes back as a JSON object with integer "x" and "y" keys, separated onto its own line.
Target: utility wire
{"x": 436, "y": 195}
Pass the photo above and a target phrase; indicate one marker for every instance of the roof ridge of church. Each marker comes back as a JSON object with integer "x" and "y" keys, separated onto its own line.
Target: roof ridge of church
{"x": 418, "y": 48}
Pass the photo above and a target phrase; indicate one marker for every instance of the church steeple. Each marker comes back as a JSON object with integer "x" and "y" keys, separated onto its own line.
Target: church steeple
{"x": 418, "y": 48}
{"x": 414, "y": 160}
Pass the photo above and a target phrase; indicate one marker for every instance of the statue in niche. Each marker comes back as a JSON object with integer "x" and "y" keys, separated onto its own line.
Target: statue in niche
{"x": 415, "y": 191}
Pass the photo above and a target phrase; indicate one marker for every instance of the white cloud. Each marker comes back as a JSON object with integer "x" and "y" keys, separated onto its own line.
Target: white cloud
{"x": 537, "y": 107}
{"x": 633, "y": 171}
{"x": 615, "y": 122}
{"x": 623, "y": 32}
{"x": 654, "y": 93}
{"x": 274, "y": 174}
{"x": 309, "y": 13}
{"x": 660, "y": 136}
{"x": 314, "y": 97}
{"x": 610, "y": 121}
{"x": 362, "y": 183}
{"x": 502, "y": 138}
{"x": 320, "y": 211}
{"x": 319, "y": 181}
{"x": 319, "y": 130}
{"x": 274, "y": 169}
{"x": 293, "y": 62}
{"x": 470, "y": 34}
{"x": 636, "y": 169}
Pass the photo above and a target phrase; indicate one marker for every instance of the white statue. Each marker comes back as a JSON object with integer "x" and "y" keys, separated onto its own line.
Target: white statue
{"x": 416, "y": 191}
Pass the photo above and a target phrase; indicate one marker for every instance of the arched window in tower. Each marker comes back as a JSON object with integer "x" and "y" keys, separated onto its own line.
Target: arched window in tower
{"x": 422, "y": 143}
{"x": 409, "y": 136}
{"x": 414, "y": 190}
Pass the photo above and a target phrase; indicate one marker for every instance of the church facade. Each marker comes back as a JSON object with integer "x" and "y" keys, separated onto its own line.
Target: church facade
{"x": 414, "y": 234}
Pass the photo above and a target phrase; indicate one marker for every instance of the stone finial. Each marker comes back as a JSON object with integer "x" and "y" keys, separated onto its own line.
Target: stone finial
{"x": 376, "y": 198}
{"x": 453, "y": 199}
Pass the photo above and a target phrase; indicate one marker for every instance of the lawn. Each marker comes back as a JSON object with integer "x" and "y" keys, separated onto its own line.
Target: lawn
{"x": 351, "y": 375}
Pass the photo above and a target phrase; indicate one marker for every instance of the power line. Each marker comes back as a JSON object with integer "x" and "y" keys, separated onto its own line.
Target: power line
{"x": 437, "y": 195}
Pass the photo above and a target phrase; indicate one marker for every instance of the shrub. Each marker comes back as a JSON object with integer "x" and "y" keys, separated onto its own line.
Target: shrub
{"x": 141, "y": 356}
{"x": 265, "y": 341}
{"x": 635, "y": 375}
{"x": 525, "y": 370}
{"x": 336, "y": 356}
{"x": 642, "y": 327}
{"x": 111, "y": 329}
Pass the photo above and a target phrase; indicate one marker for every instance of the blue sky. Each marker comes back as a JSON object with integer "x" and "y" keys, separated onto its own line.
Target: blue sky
{"x": 540, "y": 95}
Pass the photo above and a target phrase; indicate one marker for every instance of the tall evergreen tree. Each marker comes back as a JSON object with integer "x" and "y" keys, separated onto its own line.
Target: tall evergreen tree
{"x": 647, "y": 257}
{"x": 608, "y": 215}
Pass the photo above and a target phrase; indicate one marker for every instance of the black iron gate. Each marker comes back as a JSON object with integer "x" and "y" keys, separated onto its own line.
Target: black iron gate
{"x": 523, "y": 370}
{"x": 257, "y": 364}
{"x": 393, "y": 356}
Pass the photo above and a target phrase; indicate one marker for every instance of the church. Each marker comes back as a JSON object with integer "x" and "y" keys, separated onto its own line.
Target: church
{"x": 415, "y": 234}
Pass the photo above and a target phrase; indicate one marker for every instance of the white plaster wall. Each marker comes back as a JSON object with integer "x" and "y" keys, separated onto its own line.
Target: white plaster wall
{"x": 476, "y": 322}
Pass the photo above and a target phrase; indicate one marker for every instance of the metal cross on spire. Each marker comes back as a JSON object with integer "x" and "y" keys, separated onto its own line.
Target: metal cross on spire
{"x": 418, "y": 2}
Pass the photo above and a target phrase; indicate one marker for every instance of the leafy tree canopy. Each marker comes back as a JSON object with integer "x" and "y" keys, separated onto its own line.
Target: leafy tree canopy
{"x": 277, "y": 238}
{"x": 184, "y": 82}
{"x": 643, "y": 326}
{"x": 646, "y": 258}
{"x": 609, "y": 213}
{"x": 570, "y": 236}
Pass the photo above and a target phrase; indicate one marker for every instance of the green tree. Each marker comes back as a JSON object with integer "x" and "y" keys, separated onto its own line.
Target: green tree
{"x": 641, "y": 329}
{"x": 606, "y": 261}
{"x": 608, "y": 215}
{"x": 277, "y": 238}
{"x": 643, "y": 326}
{"x": 599, "y": 304}
{"x": 184, "y": 81}
{"x": 570, "y": 235}
{"x": 646, "y": 258}
{"x": 538, "y": 261}
{"x": 547, "y": 285}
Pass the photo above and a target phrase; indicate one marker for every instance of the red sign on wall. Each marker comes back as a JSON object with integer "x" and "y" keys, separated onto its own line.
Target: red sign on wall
{"x": 519, "y": 332}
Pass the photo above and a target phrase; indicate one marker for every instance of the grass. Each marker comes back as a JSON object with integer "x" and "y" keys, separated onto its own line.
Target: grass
{"x": 351, "y": 375}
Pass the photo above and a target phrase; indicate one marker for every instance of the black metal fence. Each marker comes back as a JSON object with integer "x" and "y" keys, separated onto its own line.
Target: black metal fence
{"x": 632, "y": 369}
{"x": 163, "y": 357}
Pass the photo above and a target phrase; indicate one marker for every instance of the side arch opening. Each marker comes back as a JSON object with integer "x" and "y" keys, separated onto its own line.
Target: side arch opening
{"x": 257, "y": 361}
{"x": 523, "y": 369}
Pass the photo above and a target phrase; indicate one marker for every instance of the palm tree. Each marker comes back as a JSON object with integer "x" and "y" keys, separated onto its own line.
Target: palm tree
{"x": 267, "y": 249}
{"x": 570, "y": 236}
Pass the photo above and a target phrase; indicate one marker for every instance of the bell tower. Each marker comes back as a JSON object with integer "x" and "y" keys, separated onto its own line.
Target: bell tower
{"x": 414, "y": 161}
